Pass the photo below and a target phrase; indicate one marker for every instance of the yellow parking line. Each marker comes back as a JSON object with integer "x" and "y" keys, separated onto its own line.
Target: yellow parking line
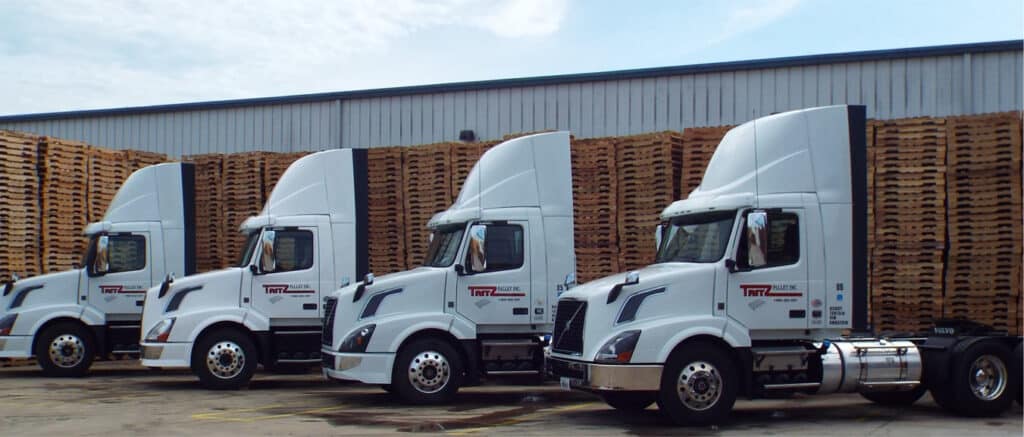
{"x": 226, "y": 416}
{"x": 523, "y": 418}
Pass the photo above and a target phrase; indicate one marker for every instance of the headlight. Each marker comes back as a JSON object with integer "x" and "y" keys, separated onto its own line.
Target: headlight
{"x": 161, "y": 331}
{"x": 357, "y": 341}
{"x": 7, "y": 323}
{"x": 619, "y": 349}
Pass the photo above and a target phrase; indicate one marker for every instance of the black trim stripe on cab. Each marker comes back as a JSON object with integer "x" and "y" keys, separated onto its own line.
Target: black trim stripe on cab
{"x": 857, "y": 121}
{"x": 188, "y": 198}
{"x": 371, "y": 306}
{"x": 361, "y": 191}
{"x": 179, "y": 296}
{"x": 632, "y": 305}
{"x": 22, "y": 294}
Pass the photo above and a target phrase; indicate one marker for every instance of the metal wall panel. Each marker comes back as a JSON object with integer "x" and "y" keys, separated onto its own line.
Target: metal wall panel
{"x": 893, "y": 87}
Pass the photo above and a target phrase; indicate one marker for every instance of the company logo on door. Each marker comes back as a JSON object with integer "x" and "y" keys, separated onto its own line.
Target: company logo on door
{"x": 496, "y": 291}
{"x": 121, "y": 289}
{"x": 769, "y": 290}
{"x": 288, "y": 289}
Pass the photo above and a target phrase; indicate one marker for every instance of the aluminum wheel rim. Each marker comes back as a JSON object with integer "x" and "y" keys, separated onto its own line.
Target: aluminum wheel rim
{"x": 699, "y": 385}
{"x": 67, "y": 351}
{"x": 225, "y": 359}
{"x": 429, "y": 372}
{"x": 988, "y": 377}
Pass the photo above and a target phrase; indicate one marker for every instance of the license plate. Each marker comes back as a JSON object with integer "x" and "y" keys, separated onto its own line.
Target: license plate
{"x": 565, "y": 383}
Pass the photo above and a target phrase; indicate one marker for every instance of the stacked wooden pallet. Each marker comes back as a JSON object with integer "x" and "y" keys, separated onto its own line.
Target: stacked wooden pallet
{"x": 463, "y": 157}
{"x": 274, "y": 165}
{"x": 64, "y": 196}
{"x": 242, "y": 197}
{"x": 983, "y": 270}
{"x": 211, "y": 231}
{"x": 909, "y": 223}
{"x": 648, "y": 181}
{"x": 107, "y": 170}
{"x": 136, "y": 159}
{"x": 19, "y": 205}
{"x": 699, "y": 143}
{"x": 385, "y": 210}
{"x": 594, "y": 187}
{"x": 427, "y": 182}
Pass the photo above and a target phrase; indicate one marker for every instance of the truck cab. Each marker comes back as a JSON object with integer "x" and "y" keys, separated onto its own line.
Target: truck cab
{"x": 484, "y": 296}
{"x": 67, "y": 319}
{"x": 309, "y": 239}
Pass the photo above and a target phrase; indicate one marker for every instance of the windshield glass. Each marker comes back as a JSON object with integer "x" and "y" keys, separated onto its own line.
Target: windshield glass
{"x": 443, "y": 247}
{"x": 699, "y": 238}
{"x": 249, "y": 248}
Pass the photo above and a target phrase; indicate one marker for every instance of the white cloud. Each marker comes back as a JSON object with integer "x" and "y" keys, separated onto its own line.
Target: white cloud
{"x": 752, "y": 15}
{"x": 84, "y": 54}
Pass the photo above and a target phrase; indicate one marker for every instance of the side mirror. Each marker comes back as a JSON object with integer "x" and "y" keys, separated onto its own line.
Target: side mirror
{"x": 101, "y": 261}
{"x": 345, "y": 280}
{"x": 730, "y": 265}
{"x": 658, "y": 232}
{"x": 570, "y": 281}
{"x": 632, "y": 278}
{"x": 368, "y": 279}
{"x": 268, "y": 262}
{"x": 757, "y": 239}
{"x": 460, "y": 270}
{"x": 477, "y": 261}
{"x": 10, "y": 284}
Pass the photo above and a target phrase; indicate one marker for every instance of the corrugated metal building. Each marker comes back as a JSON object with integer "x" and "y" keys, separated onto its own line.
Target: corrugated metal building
{"x": 927, "y": 81}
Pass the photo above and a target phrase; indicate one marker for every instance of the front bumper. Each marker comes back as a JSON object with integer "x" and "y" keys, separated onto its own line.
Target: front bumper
{"x": 607, "y": 377}
{"x": 167, "y": 355}
{"x": 366, "y": 368}
{"x": 16, "y": 346}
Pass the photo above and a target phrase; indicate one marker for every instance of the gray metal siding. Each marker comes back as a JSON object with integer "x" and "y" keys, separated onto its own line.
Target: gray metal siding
{"x": 971, "y": 83}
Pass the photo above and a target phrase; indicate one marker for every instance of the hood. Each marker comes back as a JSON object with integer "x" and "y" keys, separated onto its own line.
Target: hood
{"x": 218, "y": 288}
{"x": 58, "y": 287}
{"x": 652, "y": 276}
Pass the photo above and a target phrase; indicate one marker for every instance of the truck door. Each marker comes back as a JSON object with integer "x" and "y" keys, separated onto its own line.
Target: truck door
{"x": 119, "y": 292}
{"x": 289, "y": 287}
{"x": 495, "y": 285}
{"x": 772, "y": 295}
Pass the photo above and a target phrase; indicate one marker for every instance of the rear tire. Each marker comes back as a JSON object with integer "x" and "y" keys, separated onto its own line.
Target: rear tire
{"x": 65, "y": 349}
{"x": 629, "y": 401}
{"x": 698, "y": 386}
{"x": 981, "y": 384}
{"x": 224, "y": 359}
{"x": 896, "y": 398}
{"x": 427, "y": 371}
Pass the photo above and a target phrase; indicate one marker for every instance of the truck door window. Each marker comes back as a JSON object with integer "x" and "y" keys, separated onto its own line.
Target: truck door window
{"x": 783, "y": 242}
{"x": 126, "y": 253}
{"x": 504, "y": 247}
{"x": 293, "y": 250}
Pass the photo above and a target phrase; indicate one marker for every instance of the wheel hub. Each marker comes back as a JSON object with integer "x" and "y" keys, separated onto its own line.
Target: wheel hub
{"x": 699, "y": 385}
{"x": 67, "y": 351}
{"x": 429, "y": 372}
{"x": 988, "y": 377}
{"x": 225, "y": 359}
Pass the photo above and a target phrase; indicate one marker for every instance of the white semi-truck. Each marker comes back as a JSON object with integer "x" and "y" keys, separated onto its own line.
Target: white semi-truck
{"x": 309, "y": 239}
{"x": 67, "y": 319}
{"x": 484, "y": 297}
{"x": 760, "y": 275}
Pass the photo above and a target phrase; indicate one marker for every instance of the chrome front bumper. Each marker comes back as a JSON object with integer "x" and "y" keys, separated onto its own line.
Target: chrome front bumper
{"x": 607, "y": 377}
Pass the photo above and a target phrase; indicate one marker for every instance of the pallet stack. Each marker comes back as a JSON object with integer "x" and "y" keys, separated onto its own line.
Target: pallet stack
{"x": 107, "y": 170}
{"x": 136, "y": 159}
{"x": 647, "y": 181}
{"x": 594, "y": 187}
{"x": 274, "y": 165}
{"x": 463, "y": 157}
{"x": 64, "y": 197}
{"x": 427, "y": 182}
{"x": 983, "y": 270}
{"x": 909, "y": 223}
{"x": 19, "y": 205}
{"x": 699, "y": 143}
{"x": 242, "y": 197}
{"x": 211, "y": 232}
{"x": 385, "y": 210}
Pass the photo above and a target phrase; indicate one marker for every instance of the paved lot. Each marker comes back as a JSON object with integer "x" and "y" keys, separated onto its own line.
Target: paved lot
{"x": 124, "y": 398}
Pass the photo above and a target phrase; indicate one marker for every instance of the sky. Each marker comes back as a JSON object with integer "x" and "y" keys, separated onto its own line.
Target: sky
{"x": 60, "y": 55}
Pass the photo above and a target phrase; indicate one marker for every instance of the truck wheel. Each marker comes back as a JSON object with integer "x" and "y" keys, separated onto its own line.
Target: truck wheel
{"x": 631, "y": 402}
{"x": 896, "y": 398}
{"x": 428, "y": 371}
{"x": 224, "y": 359}
{"x": 698, "y": 386}
{"x": 65, "y": 349}
{"x": 981, "y": 383}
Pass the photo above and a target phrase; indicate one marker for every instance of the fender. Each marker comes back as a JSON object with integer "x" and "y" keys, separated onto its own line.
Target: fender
{"x": 396, "y": 329}
{"x": 712, "y": 326}
{"x": 43, "y": 315}
{"x": 193, "y": 324}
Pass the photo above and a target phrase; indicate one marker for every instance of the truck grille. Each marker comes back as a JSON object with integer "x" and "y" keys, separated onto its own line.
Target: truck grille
{"x": 568, "y": 335}
{"x": 327, "y": 336}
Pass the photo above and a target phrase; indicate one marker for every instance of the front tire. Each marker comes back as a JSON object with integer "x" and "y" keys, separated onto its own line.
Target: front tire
{"x": 224, "y": 359}
{"x": 427, "y": 371}
{"x": 699, "y": 385}
{"x": 981, "y": 382}
{"x": 629, "y": 401}
{"x": 65, "y": 350}
{"x": 896, "y": 398}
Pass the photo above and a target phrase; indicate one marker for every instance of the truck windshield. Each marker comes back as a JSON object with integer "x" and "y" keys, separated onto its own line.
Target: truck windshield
{"x": 249, "y": 248}
{"x": 699, "y": 238}
{"x": 443, "y": 247}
